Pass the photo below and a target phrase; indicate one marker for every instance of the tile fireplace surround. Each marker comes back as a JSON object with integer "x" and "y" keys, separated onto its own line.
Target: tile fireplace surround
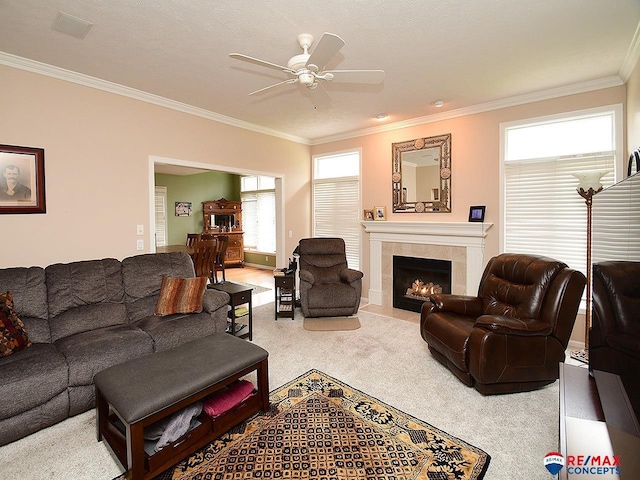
{"x": 461, "y": 243}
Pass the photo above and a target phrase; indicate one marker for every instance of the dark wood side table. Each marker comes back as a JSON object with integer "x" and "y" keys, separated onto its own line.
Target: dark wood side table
{"x": 238, "y": 296}
{"x": 596, "y": 419}
{"x": 285, "y": 301}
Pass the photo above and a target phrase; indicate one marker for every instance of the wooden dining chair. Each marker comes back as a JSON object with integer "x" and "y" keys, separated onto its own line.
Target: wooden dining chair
{"x": 221, "y": 254}
{"x": 192, "y": 238}
{"x": 204, "y": 256}
{"x": 207, "y": 236}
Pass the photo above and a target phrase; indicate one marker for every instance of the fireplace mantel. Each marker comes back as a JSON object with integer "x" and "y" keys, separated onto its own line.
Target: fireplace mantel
{"x": 467, "y": 235}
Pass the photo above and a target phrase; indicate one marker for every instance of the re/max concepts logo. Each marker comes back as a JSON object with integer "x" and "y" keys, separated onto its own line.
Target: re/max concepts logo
{"x": 583, "y": 464}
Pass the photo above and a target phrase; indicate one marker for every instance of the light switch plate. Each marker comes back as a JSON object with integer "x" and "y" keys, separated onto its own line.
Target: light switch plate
{"x": 140, "y": 244}
{"x": 140, "y": 230}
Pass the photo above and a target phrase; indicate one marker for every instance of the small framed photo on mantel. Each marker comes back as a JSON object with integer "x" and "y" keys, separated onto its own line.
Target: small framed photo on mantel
{"x": 476, "y": 214}
{"x": 379, "y": 213}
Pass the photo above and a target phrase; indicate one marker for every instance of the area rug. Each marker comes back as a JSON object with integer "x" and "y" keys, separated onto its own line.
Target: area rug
{"x": 330, "y": 324}
{"x": 321, "y": 428}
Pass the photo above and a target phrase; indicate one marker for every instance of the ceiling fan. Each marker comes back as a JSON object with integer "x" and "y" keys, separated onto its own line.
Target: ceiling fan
{"x": 308, "y": 68}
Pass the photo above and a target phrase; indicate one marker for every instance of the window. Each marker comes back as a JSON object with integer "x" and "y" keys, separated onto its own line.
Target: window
{"x": 543, "y": 213}
{"x": 258, "y": 196}
{"x": 336, "y": 201}
{"x": 161, "y": 216}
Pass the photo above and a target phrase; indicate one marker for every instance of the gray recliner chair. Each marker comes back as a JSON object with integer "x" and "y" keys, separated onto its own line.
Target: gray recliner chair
{"x": 328, "y": 287}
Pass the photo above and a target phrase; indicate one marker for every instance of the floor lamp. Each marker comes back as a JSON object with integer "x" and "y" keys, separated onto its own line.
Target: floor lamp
{"x": 589, "y": 185}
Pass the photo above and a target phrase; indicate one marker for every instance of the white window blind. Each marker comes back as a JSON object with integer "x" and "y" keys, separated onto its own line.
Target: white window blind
{"x": 258, "y": 198}
{"x": 336, "y": 201}
{"x": 161, "y": 216}
{"x": 543, "y": 213}
{"x": 616, "y": 222}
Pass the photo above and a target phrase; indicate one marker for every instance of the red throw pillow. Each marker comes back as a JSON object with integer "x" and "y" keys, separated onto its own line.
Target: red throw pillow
{"x": 180, "y": 295}
{"x": 13, "y": 334}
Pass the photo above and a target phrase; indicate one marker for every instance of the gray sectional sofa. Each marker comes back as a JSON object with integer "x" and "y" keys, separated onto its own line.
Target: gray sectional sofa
{"x": 81, "y": 318}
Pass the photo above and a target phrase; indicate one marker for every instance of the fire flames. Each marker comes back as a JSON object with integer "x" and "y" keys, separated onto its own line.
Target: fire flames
{"x": 421, "y": 290}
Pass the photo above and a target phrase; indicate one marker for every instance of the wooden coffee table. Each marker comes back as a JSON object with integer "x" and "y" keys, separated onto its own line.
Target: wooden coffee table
{"x": 135, "y": 394}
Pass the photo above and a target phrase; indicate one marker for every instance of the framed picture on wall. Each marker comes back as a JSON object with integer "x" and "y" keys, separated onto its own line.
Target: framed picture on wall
{"x": 368, "y": 215}
{"x": 183, "y": 209}
{"x": 476, "y": 214}
{"x": 22, "y": 180}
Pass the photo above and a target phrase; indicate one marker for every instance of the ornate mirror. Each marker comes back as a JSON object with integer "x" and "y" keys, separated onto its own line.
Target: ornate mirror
{"x": 421, "y": 176}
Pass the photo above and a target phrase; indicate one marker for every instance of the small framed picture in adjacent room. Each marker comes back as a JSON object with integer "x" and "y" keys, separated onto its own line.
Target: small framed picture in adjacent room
{"x": 379, "y": 213}
{"x": 476, "y": 214}
{"x": 183, "y": 209}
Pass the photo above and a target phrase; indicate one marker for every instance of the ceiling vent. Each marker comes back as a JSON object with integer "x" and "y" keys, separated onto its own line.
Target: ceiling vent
{"x": 74, "y": 26}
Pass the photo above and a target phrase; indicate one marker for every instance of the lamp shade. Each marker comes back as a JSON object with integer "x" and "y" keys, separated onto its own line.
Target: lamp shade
{"x": 590, "y": 179}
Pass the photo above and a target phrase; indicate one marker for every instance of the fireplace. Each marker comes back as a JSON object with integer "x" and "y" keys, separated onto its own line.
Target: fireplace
{"x": 414, "y": 279}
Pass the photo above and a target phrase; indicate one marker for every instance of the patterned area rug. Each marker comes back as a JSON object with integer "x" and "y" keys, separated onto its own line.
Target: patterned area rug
{"x": 322, "y": 429}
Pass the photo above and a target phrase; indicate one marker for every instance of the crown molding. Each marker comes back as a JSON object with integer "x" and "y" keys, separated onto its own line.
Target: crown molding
{"x": 631, "y": 59}
{"x": 607, "y": 82}
{"x": 92, "y": 82}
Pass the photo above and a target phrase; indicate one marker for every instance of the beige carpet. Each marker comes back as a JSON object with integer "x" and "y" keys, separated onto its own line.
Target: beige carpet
{"x": 386, "y": 358}
{"x": 331, "y": 324}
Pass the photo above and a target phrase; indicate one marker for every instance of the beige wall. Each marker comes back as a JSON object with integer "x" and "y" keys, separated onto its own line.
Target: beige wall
{"x": 475, "y": 159}
{"x": 633, "y": 110}
{"x": 97, "y": 148}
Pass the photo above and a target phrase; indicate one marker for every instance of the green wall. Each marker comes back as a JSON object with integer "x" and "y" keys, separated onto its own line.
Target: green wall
{"x": 260, "y": 259}
{"x": 196, "y": 189}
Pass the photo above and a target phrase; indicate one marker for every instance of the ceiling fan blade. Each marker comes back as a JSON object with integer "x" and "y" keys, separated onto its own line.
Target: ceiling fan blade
{"x": 356, "y": 76}
{"x": 291, "y": 80}
{"x": 319, "y": 96}
{"x": 327, "y": 47}
{"x": 257, "y": 61}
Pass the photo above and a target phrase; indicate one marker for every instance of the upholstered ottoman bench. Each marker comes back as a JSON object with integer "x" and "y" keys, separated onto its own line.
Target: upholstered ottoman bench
{"x": 138, "y": 393}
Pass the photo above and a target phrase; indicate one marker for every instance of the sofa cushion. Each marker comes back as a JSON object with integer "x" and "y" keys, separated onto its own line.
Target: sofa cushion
{"x": 29, "y": 290}
{"x": 142, "y": 276}
{"x": 30, "y": 378}
{"x": 84, "y": 296}
{"x": 174, "y": 330}
{"x": 13, "y": 334}
{"x": 89, "y": 352}
{"x": 180, "y": 295}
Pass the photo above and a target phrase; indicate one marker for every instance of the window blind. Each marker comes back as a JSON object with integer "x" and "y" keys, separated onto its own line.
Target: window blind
{"x": 161, "y": 216}
{"x": 616, "y": 222}
{"x": 336, "y": 208}
{"x": 259, "y": 220}
{"x": 544, "y": 214}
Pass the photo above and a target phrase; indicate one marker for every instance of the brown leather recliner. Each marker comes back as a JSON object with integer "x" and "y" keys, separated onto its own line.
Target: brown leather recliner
{"x": 614, "y": 338}
{"x": 512, "y": 336}
{"x": 328, "y": 288}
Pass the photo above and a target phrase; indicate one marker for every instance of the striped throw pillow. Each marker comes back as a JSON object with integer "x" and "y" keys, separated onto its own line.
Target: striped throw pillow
{"x": 180, "y": 295}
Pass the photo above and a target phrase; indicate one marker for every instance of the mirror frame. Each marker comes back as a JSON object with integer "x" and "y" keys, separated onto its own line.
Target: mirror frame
{"x": 443, "y": 205}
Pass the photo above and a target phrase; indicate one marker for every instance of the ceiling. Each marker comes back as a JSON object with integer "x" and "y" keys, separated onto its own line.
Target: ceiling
{"x": 470, "y": 54}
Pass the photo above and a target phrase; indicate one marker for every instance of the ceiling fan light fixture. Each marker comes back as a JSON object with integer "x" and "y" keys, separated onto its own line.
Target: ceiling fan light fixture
{"x": 306, "y": 79}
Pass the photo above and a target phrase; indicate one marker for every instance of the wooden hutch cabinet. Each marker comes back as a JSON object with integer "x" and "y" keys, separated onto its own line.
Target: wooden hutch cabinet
{"x": 223, "y": 217}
